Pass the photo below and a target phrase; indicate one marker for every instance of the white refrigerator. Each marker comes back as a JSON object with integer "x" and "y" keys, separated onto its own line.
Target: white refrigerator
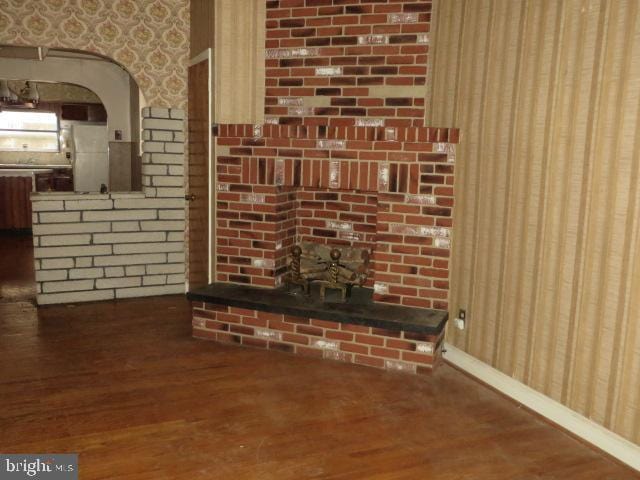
{"x": 91, "y": 157}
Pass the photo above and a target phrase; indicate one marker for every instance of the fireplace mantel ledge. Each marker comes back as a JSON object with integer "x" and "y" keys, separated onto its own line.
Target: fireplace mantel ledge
{"x": 356, "y": 311}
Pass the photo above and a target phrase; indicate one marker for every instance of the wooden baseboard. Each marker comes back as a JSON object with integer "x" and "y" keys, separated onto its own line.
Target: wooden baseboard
{"x": 589, "y": 431}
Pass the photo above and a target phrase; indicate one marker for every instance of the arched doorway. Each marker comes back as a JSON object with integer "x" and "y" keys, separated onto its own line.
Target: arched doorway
{"x": 69, "y": 122}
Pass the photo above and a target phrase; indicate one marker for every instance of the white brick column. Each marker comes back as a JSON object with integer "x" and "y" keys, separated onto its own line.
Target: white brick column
{"x": 163, "y": 157}
{"x": 103, "y": 246}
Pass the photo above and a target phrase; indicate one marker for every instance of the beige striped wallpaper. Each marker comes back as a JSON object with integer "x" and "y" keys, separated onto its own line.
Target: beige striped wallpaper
{"x": 239, "y": 64}
{"x": 546, "y": 243}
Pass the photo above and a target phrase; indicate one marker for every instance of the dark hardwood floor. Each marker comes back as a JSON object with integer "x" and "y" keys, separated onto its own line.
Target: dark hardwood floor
{"x": 124, "y": 385}
{"x": 17, "y": 273}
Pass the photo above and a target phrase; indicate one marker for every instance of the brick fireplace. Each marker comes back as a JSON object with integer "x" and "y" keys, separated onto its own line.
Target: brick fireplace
{"x": 341, "y": 186}
{"x": 344, "y": 158}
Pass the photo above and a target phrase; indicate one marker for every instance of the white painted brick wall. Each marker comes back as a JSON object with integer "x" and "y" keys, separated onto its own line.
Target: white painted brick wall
{"x": 137, "y": 270}
{"x": 52, "y": 205}
{"x": 167, "y": 181}
{"x": 67, "y": 286}
{"x": 171, "y": 214}
{"x": 92, "y": 247}
{"x": 161, "y": 124}
{"x": 84, "y": 251}
{"x": 41, "y": 229}
{"x": 167, "y": 247}
{"x": 145, "y": 259}
{"x": 176, "y": 170}
{"x": 155, "y": 203}
{"x": 140, "y": 237}
{"x": 56, "y": 240}
{"x": 51, "y": 275}
{"x": 76, "y": 297}
{"x": 88, "y": 204}
{"x": 155, "y": 170}
{"x": 151, "y": 280}
{"x": 56, "y": 263}
{"x": 177, "y": 278}
{"x": 171, "y": 268}
{"x": 177, "y": 192}
{"x": 176, "y": 257}
{"x": 163, "y": 158}
{"x": 116, "y": 272}
{"x": 77, "y": 273}
{"x": 114, "y": 215}
{"x": 148, "y": 291}
{"x": 119, "y": 282}
{"x": 62, "y": 217}
{"x": 125, "y": 226}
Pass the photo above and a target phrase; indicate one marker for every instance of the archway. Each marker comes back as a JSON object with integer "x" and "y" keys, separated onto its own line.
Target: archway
{"x": 110, "y": 81}
{"x": 81, "y": 132}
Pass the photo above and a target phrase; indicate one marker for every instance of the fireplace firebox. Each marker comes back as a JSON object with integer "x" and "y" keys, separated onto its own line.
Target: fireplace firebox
{"x": 330, "y": 267}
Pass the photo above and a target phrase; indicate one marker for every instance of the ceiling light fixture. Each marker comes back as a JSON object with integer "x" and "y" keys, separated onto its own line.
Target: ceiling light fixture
{"x": 27, "y": 98}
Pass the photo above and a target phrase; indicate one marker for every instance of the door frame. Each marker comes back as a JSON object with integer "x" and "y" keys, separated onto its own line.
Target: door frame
{"x": 207, "y": 55}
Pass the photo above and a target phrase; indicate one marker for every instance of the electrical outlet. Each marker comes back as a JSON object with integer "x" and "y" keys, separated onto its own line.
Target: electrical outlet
{"x": 461, "y": 320}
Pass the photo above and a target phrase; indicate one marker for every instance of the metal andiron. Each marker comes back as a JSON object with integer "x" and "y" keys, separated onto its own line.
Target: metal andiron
{"x": 333, "y": 268}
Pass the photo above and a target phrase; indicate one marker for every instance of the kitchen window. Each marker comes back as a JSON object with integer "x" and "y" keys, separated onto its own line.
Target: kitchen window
{"x": 29, "y": 131}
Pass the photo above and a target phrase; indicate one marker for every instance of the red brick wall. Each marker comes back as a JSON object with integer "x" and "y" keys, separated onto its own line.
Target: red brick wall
{"x": 375, "y": 347}
{"x": 337, "y": 217}
{"x": 312, "y": 173}
{"x": 373, "y": 45}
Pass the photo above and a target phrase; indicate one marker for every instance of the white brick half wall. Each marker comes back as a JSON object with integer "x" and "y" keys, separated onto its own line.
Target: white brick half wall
{"x": 91, "y": 246}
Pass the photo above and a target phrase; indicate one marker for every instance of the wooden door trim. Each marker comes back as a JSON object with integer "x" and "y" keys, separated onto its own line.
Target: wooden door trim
{"x": 207, "y": 56}
{"x": 201, "y": 57}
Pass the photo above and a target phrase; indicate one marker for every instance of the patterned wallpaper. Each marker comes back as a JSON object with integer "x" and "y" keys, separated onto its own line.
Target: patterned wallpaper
{"x": 149, "y": 37}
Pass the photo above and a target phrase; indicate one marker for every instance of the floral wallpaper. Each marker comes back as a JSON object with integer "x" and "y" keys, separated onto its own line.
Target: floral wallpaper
{"x": 148, "y": 37}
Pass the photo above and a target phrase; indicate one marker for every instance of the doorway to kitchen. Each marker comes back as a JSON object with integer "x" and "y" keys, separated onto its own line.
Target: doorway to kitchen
{"x": 69, "y": 123}
{"x": 53, "y": 138}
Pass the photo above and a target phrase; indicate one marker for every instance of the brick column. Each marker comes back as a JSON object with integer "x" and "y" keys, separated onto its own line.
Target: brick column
{"x": 163, "y": 147}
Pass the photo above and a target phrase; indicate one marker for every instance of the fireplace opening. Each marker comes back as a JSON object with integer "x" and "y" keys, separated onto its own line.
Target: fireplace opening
{"x": 330, "y": 268}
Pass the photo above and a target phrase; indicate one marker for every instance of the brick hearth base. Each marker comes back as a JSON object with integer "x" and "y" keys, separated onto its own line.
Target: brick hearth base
{"x": 375, "y": 347}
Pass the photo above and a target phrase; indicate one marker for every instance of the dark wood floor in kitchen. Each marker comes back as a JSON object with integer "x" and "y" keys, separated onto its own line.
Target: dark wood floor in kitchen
{"x": 125, "y": 386}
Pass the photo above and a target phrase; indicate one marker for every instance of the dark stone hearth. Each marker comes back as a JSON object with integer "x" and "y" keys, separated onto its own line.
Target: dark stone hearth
{"x": 357, "y": 310}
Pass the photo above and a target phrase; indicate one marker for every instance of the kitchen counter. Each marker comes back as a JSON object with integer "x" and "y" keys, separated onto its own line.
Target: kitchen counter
{"x": 18, "y": 181}
{"x": 43, "y": 177}
{"x": 22, "y": 172}
{"x": 29, "y": 166}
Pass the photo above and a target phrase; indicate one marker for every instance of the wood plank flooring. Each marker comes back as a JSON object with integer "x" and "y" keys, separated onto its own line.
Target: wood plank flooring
{"x": 124, "y": 385}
